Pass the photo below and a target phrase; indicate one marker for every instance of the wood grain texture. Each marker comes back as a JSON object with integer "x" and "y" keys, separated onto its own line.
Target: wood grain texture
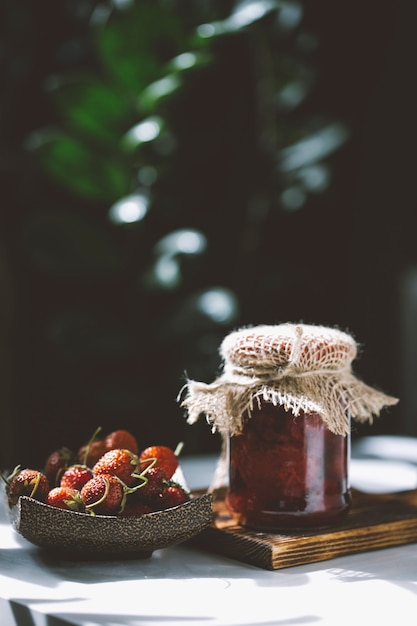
{"x": 375, "y": 521}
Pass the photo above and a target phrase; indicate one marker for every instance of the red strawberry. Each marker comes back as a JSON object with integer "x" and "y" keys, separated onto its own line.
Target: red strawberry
{"x": 173, "y": 495}
{"x": 27, "y": 482}
{"x": 65, "y": 498}
{"x": 76, "y": 476}
{"x": 121, "y": 439}
{"x": 104, "y": 495}
{"x": 121, "y": 463}
{"x": 56, "y": 463}
{"x": 91, "y": 453}
{"x": 166, "y": 458}
{"x": 156, "y": 482}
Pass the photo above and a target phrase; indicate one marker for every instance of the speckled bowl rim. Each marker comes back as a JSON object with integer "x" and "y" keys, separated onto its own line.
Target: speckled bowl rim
{"x": 82, "y": 535}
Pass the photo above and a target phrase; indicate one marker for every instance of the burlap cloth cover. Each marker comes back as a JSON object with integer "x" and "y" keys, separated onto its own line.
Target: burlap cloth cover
{"x": 297, "y": 366}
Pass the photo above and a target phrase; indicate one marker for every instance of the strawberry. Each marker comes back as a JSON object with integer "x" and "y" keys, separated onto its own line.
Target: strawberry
{"x": 65, "y": 498}
{"x": 151, "y": 490}
{"x": 27, "y": 482}
{"x": 56, "y": 463}
{"x": 91, "y": 453}
{"x": 172, "y": 495}
{"x": 104, "y": 494}
{"x": 76, "y": 476}
{"x": 121, "y": 439}
{"x": 163, "y": 457}
{"x": 119, "y": 462}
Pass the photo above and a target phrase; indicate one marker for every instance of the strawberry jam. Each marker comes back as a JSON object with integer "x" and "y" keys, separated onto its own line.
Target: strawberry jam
{"x": 287, "y": 471}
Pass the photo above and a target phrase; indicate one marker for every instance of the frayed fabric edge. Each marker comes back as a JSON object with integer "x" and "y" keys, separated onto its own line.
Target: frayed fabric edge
{"x": 226, "y": 405}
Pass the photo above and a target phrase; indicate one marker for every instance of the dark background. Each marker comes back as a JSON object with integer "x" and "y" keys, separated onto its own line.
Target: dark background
{"x": 85, "y": 340}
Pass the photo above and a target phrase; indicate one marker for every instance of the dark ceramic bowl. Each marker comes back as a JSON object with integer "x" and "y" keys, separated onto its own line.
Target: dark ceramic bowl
{"x": 84, "y": 536}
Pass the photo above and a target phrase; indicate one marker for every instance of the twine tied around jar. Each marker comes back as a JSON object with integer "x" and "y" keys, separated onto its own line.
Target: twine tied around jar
{"x": 303, "y": 368}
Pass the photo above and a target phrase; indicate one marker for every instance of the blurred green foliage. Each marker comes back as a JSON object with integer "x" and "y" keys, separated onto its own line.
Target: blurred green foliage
{"x": 162, "y": 178}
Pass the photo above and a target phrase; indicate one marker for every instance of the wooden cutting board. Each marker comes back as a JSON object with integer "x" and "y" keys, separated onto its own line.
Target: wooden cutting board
{"x": 375, "y": 521}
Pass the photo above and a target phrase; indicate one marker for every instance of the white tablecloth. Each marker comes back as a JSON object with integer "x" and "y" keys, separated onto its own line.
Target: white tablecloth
{"x": 180, "y": 586}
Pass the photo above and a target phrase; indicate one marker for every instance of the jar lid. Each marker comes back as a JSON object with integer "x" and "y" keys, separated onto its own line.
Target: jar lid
{"x": 305, "y": 347}
{"x": 301, "y": 367}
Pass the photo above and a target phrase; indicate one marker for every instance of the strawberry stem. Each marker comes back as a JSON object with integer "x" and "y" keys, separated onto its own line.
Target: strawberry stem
{"x": 4, "y": 479}
{"x": 152, "y": 461}
{"x": 14, "y": 473}
{"x": 103, "y": 497}
{"x": 136, "y": 487}
{"x": 92, "y": 439}
{"x": 35, "y": 483}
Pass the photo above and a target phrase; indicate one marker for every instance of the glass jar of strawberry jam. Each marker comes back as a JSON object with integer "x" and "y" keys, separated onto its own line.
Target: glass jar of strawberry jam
{"x": 287, "y": 471}
{"x": 283, "y": 405}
